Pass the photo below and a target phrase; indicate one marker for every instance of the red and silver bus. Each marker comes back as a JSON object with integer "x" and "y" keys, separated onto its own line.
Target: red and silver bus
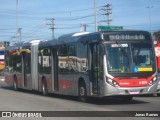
{"x": 100, "y": 64}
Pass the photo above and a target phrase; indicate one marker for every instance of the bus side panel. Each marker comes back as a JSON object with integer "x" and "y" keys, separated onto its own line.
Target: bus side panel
{"x": 19, "y": 79}
{"x": 9, "y": 67}
{"x": 9, "y": 79}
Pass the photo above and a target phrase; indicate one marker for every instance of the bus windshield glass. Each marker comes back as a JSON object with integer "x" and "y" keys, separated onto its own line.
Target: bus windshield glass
{"x": 129, "y": 57}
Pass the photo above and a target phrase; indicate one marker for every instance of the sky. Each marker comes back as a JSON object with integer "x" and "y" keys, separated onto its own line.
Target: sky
{"x": 34, "y": 17}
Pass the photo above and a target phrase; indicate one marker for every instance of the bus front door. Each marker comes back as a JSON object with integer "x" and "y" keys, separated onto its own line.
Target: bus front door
{"x": 96, "y": 67}
{"x": 55, "y": 84}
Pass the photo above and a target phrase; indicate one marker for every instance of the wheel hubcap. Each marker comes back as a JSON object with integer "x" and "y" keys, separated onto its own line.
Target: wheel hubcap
{"x": 82, "y": 91}
{"x": 43, "y": 88}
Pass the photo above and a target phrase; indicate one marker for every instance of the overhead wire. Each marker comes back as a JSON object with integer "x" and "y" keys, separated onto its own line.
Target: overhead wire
{"x": 25, "y": 15}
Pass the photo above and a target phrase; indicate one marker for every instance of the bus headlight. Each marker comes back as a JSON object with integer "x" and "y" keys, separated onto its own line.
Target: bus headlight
{"x": 153, "y": 81}
{"x": 112, "y": 82}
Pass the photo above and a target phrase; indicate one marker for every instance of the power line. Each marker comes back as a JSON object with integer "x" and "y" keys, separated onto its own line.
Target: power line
{"x": 38, "y": 26}
{"x": 108, "y": 11}
{"x": 25, "y": 15}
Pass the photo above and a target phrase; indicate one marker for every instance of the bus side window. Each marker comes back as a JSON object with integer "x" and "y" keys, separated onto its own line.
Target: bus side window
{"x": 82, "y": 57}
{"x": 46, "y": 61}
{"x": 28, "y": 62}
{"x": 40, "y": 53}
{"x": 67, "y": 61}
{"x": 63, "y": 50}
{"x": 71, "y": 51}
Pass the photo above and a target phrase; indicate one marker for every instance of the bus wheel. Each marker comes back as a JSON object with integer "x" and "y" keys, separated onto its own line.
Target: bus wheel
{"x": 44, "y": 88}
{"x": 127, "y": 98}
{"x": 82, "y": 92}
{"x": 15, "y": 84}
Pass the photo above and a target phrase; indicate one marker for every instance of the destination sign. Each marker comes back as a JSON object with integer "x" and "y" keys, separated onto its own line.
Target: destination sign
{"x": 126, "y": 36}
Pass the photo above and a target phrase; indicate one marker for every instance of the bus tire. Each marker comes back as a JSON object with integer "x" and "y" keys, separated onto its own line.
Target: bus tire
{"x": 44, "y": 88}
{"x": 15, "y": 84}
{"x": 82, "y": 93}
{"x": 127, "y": 98}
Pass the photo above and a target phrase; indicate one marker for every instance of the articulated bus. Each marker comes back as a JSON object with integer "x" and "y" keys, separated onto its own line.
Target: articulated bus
{"x": 107, "y": 63}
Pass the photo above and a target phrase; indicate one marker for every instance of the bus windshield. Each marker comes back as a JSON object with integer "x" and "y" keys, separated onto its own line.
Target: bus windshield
{"x": 129, "y": 57}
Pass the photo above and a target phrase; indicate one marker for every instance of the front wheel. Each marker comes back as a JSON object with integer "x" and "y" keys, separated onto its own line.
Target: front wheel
{"x": 82, "y": 92}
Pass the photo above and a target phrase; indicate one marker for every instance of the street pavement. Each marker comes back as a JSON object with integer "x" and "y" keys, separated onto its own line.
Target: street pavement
{"x": 24, "y": 100}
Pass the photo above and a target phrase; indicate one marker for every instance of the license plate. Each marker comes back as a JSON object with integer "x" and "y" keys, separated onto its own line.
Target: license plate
{"x": 133, "y": 91}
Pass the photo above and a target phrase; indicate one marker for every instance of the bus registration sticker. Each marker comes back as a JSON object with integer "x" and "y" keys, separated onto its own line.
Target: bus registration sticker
{"x": 133, "y": 91}
{"x": 144, "y": 69}
{"x": 141, "y": 69}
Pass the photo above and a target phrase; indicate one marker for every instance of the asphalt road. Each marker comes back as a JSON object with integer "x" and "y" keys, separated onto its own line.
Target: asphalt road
{"x": 23, "y": 100}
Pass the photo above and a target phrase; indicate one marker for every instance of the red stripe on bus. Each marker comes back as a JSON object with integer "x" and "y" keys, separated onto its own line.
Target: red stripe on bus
{"x": 65, "y": 84}
{"x": 19, "y": 80}
{"x": 133, "y": 82}
{"x": 49, "y": 84}
{"x": 8, "y": 79}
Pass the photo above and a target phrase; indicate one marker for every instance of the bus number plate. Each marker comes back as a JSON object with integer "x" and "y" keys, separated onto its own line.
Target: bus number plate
{"x": 133, "y": 91}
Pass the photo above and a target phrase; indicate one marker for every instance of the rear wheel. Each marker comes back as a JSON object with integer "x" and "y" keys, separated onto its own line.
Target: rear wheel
{"x": 44, "y": 88}
{"x": 82, "y": 92}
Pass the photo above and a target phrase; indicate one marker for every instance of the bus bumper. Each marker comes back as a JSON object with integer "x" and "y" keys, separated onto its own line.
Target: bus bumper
{"x": 135, "y": 91}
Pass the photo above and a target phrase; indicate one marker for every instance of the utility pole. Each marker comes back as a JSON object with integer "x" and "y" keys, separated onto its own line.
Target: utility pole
{"x": 20, "y": 34}
{"x": 16, "y": 20}
{"x": 108, "y": 10}
{"x": 52, "y": 26}
{"x": 149, "y": 7}
{"x": 95, "y": 14}
{"x": 83, "y": 27}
